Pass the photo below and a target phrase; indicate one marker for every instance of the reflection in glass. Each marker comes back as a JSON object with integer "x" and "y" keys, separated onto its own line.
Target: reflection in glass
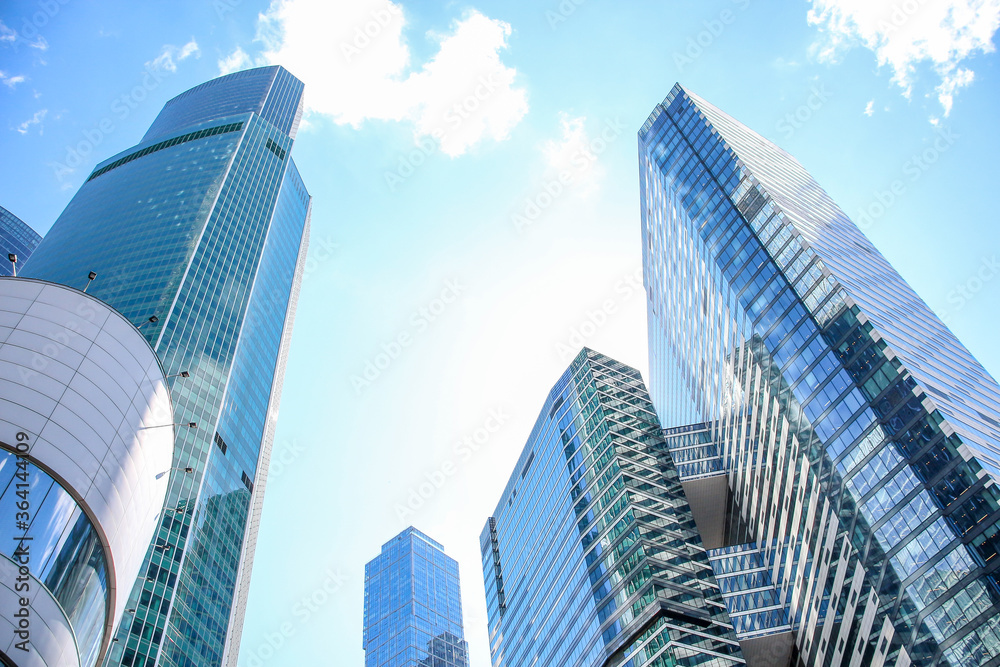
{"x": 66, "y": 554}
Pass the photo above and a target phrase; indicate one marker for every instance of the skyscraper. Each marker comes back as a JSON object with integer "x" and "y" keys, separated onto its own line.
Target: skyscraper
{"x": 413, "y": 606}
{"x": 198, "y": 234}
{"x": 858, "y": 440}
{"x": 592, "y": 557}
{"x": 16, "y": 238}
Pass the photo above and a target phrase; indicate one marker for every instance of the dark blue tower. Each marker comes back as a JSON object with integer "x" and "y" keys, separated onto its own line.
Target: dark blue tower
{"x": 16, "y": 238}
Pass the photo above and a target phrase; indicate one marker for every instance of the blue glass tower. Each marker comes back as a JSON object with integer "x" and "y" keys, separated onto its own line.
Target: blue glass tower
{"x": 592, "y": 557}
{"x": 15, "y": 238}
{"x": 857, "y": 439}
{"x": 413, "y": 606}
{"x": 198, "y": 234}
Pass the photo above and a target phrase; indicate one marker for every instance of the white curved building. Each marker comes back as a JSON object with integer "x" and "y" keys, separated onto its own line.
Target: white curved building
{"x": 84, "y": 399}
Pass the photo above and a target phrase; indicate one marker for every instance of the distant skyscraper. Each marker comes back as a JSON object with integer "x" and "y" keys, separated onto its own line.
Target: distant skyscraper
{"x": 17, "y": 238}
{"x": 198, "y": 235}
{"x": 592, "y": 557}
{"x": 857, "y": 441}
{"x": 413, "y": 606}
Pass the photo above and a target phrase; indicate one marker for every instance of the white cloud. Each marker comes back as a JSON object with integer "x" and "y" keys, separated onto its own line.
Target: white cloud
{"x": 575, "y": 154}
{"x": 34, "y": 120}
{"x": 781, "y": 63}
{"x": 870, "y": 108}
{"x": 10, "y": 81}
{"x": 170, "y": 55}
{"x": 189, "y": 49}
{"x": 357, "y": 67}
{"x": 235, "y": 61}
{"x": 946, "y": 90}
{"x": 8, "y": 34}
{"x": 906, "y": 33}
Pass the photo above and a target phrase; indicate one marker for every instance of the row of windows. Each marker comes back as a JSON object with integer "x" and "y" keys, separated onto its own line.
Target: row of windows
{"x": 183, "y": 139}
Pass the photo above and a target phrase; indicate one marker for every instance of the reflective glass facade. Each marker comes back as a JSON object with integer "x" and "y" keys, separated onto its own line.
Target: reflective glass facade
{"x": 66, "y": 554}
{"x": 413, "y": 606}
{"x": 15, "y": 237}
{"x": 204, "y": 225}
{"x": 268, "y": 92}
{"x": 592, "y": 556}
{"x": 755, "y": 608}
{"x": 859, "y": 438}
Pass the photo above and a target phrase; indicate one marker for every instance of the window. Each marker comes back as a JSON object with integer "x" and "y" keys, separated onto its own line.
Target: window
{"x": 220, "y": 442}
{"x": 275, "y": 148}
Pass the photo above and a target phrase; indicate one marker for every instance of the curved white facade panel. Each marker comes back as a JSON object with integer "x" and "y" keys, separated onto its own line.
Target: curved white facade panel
{"x": 90, "y": 399}
{"x": 52, "y": 643}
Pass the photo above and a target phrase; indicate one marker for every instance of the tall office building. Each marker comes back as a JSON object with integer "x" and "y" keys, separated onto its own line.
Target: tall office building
{"x": 857, "y": 439}
{"x": 413, "y": 606}
{"x": 16, "y": 238}
{"x": 198, "y": 234}
{"x": 86, "y": 443}
{"x": 592, "y": 557}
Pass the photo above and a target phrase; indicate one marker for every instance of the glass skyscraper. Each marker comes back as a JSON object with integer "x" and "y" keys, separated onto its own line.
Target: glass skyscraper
{"x": 592, "y": 556}
{"x": 197, "y": 235}
{"x": 15, "y": 238}
{"x": 413, "y": 606}
{"x": 857, "y": 439}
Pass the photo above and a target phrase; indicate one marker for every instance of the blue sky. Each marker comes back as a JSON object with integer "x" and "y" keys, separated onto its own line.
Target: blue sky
{"x": 444, "y": 238}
